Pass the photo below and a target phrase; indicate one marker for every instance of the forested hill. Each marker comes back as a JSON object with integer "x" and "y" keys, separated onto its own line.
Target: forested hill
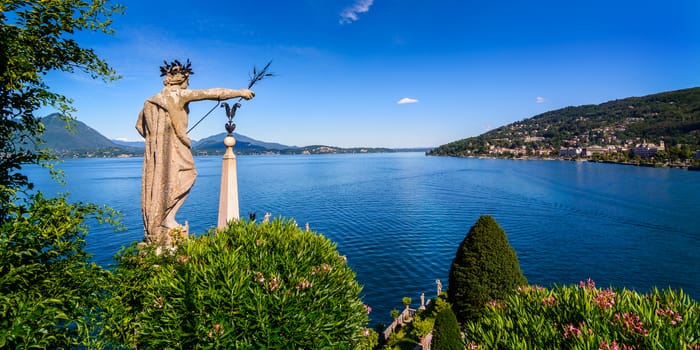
{"x": 673, "y": 117}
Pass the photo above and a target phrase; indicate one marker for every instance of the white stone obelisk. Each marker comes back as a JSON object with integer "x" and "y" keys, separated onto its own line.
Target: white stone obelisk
{"x": 228, "y": 198}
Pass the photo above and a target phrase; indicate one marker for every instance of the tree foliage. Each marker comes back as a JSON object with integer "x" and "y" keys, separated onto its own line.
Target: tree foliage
{"x": 446, "y": 334}
{"x": 37, "y": 37}
{"x": 269, "y": 285}
{"x": 485, "y": 268}
{"x": 49, "y": 289}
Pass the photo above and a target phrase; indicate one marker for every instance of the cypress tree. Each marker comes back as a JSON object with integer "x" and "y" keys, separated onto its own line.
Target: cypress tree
{"x": 446, "y": 334}
{"x": 485, "y": 268}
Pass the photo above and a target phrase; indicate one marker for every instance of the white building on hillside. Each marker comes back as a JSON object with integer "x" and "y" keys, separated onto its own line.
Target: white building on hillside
{"x": 648, "y": 150}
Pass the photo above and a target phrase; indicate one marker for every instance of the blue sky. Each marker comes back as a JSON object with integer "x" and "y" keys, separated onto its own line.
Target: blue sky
{"x": 343, "y": 66}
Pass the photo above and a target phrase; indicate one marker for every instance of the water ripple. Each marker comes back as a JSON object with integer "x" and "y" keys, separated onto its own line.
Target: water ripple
{"x": 400, "y": 217}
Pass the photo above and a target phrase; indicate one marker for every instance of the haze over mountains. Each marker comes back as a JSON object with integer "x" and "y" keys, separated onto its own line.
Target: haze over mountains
{"x": 84, "y": 141}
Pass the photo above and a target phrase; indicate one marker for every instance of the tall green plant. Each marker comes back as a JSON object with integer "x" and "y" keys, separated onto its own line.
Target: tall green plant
{"x": 446, "y": 335}
{"x": 485, "y": 268}
{"x": 269, "y": 285}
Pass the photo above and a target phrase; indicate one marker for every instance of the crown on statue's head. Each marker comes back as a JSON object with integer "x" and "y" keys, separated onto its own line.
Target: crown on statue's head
{"x": 175, "y": 67}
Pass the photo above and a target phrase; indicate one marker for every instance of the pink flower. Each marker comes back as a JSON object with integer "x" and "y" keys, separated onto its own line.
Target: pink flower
{"x": 368, "y": 308}
{"x": 304, "y": 284}
{"x": 273, "y": 284}
{"x": 605, "y": 299}
{"x": 613, "y": 346}
{"x": 570, "y": 330}
{"x": 217, "y": 329}
{"x": 158, "y": 303}
{"x": 672, "y": 316}
{"x": 322, "y": 268}
{"x": 548, "y": 301}
{"x": 631, "y": 323}
{"x": 496, "y": 304}
{"x": 259, "y": 277}
{"x": 589, "y": 284}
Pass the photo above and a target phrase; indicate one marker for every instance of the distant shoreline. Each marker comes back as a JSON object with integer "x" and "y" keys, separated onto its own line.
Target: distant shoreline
{"x": 639, "y": 164}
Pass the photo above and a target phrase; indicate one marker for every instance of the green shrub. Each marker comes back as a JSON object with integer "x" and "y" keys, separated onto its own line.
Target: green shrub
{"x": 586, "y": 317}
{"x": 446, "y": 335}
{"x": 485, "y": 268}
{"x": 394, "y": 314}
{"x": 422, "y": 325}
{"x": 268, "y": 285}
{"x": 49, "y": 290}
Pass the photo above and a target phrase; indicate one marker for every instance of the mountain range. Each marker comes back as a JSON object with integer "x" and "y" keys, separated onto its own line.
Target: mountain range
{"x": 84, "y": 141}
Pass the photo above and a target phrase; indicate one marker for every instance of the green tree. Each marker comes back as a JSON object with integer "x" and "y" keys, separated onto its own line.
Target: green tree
{"x": 37, "y": 37}
{"x": 485, "y": 268}
{"x": 48, "y": 287}
{"x": 446, "y": 334}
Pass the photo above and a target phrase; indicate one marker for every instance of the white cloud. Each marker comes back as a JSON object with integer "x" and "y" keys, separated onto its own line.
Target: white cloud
{"x": 406, "y": 100}
{"x": 350, "y": 13}
{"x": 125, "y": 139}
{"x": 540, "y": 99}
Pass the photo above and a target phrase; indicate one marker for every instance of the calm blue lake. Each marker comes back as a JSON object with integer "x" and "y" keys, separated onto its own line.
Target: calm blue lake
{"x": 400, "y": 217}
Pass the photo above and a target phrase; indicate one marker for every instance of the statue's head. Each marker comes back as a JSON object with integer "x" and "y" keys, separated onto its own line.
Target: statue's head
{"x": 176, "y": 73}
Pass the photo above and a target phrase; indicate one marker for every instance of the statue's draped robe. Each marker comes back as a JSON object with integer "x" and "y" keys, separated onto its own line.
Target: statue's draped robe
{"x": 168, "y": 165}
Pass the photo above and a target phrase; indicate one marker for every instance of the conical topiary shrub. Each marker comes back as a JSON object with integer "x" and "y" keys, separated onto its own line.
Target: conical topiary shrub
{"x": 485, "y": 268}
{"x": 446, "y": 333}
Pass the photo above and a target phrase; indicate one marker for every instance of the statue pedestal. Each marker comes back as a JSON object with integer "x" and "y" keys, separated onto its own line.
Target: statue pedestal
{"x": 228, "y": 198}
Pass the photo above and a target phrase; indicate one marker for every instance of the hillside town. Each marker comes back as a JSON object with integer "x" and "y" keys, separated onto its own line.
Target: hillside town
{"x": 612, "y": 143}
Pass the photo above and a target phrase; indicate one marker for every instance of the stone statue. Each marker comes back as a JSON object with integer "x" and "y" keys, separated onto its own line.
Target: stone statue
{"x": 168, "y": 165}
{"x": 439, "y": 287}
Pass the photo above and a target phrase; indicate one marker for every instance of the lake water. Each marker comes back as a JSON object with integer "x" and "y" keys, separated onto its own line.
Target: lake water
{"x": 399, "y": 217}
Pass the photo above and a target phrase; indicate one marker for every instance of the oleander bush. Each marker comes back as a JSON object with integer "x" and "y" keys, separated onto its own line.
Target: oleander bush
{"x": 586, "y": 317}
{"x": 268, "y": 285}
{"x": 485, "y": 268}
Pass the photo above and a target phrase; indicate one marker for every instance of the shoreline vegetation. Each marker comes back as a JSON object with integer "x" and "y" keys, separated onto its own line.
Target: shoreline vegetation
{"x": 685, "y": 166}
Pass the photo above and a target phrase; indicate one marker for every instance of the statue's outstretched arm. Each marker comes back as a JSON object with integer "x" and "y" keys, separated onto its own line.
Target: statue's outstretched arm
{"x": 217, "y": 94}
